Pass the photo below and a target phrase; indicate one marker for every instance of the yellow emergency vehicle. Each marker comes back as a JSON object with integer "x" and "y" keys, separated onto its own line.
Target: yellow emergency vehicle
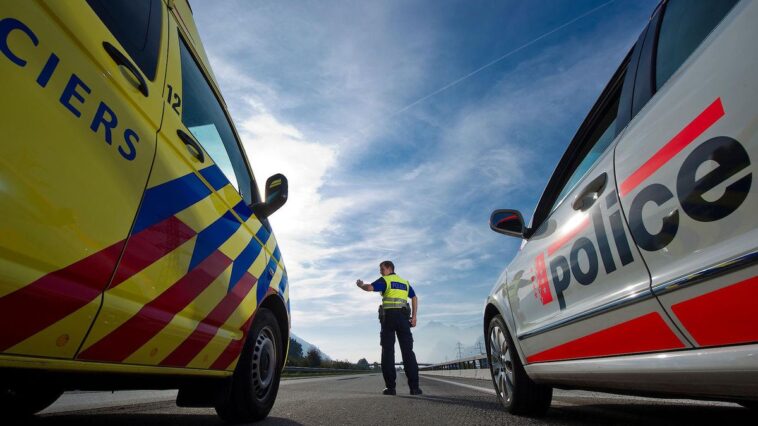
{"x": 134, "y": 247}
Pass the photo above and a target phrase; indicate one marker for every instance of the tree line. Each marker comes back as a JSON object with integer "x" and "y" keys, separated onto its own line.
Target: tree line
{"x": 312, "y": 358}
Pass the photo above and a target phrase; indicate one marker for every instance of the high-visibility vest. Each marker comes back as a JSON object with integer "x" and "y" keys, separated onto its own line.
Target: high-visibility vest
{"x": 395, "y": 296}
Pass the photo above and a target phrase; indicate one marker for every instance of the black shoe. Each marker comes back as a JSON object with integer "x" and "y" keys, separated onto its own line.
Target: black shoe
{"x": 388, "y": 391}
{"x": 416, "y": 391}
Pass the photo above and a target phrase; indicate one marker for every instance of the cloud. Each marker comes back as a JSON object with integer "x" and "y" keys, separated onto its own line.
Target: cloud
{"x": 313, "y": 88}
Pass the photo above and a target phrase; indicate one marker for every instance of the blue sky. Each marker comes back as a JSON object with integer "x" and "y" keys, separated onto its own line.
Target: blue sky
{"x": 386, "y": 158}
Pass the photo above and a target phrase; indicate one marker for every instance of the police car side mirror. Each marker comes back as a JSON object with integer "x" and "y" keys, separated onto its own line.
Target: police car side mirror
{"x": 276, "y": 195}
{"x": 508, "y": 222}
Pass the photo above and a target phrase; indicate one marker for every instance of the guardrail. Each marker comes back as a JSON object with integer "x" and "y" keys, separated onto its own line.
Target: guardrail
{"x": 467, "y": 363}
{"x": 472, "y": 367}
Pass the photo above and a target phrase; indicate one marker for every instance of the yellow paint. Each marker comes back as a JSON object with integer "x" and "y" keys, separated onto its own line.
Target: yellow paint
{"x": 228, "y": 332}
{"x": 183, "y": 323}
{"x": 203, "y": 213}
{"x": 236, "y": 243}
{"x": 46, "y": 341}
{"x": 13, "y": 361}
{"x": 124, "y": 301}
{"x": 63, "y": 201}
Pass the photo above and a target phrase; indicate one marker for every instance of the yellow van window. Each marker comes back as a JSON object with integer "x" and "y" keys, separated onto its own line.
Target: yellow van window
{"x": 205, "y": 118}
{"x": 136, "y": 24}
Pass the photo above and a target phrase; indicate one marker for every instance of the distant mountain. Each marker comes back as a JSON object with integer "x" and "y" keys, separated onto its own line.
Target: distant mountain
{"x": 437, "y": 342}
{"x": 307, "y": 346}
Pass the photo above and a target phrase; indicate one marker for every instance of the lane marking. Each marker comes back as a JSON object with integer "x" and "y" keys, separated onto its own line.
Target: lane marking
{"x": 476, "y": 388}
{"x": 288, "y": 381}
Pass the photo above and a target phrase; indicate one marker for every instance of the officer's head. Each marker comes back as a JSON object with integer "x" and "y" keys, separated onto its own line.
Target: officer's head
{"x": 387, "y": 268}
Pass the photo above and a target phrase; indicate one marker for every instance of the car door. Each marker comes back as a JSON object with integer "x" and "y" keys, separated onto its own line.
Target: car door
{"x": 194, "y": 267}
{"x": 687, "y": 170}
{"x": 578, "y": 287}
{"x": 81, "y": 108}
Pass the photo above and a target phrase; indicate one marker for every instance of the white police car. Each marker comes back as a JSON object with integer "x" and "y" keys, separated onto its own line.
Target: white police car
{"x": 637, "y": 273}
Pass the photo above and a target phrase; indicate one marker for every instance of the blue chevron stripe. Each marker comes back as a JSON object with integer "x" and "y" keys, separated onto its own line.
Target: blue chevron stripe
{"x": 215, "y": 177}
{"x": 212, "y": 237}
{"x": 167, "y": 199}
{"x": 262, "y": 235}
{"x": 265, "y": 281}
{"x": 243, "y": 211}
{"x": 243, "y": 262}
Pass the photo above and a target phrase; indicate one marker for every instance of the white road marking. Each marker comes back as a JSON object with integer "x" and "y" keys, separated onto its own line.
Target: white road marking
{"x": 321, "y": 379}
{"x": 476, "y": 388}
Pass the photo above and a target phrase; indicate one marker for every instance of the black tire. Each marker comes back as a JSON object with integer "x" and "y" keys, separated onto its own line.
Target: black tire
{"x": 256, "y": 379}
{"x": 20, "y": 400}
{"x": 515, "y": 390}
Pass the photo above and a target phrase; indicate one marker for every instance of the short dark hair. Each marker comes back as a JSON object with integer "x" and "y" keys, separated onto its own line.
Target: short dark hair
{"x": 388, "y": 264}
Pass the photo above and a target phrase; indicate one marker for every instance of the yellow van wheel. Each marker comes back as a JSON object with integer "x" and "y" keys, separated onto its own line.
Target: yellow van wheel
{"x": 256, "y": 378}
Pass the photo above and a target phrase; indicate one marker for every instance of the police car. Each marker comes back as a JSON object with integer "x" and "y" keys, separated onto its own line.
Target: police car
{"x": 637, "y": 273}
{"x": 134, "y": 246}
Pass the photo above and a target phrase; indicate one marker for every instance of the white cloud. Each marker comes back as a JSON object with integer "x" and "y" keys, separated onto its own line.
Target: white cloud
{"x": 324, "y": 116}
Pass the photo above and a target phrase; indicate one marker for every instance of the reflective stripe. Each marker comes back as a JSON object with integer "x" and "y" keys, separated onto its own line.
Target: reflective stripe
{"x": 395, "y": 295}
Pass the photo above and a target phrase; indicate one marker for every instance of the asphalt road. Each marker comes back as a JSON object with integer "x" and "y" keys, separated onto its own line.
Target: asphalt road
{"x": 357, "y": 400}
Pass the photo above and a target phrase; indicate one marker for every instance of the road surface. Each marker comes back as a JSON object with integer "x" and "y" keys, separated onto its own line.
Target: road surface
{"x": 357, "y": 400}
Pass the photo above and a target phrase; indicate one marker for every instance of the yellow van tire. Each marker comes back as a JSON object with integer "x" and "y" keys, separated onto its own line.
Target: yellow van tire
{"x": 256, "y": 379}
{"x": 19, "y": 400}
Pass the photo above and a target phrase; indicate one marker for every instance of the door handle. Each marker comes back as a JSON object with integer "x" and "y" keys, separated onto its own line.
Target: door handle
{"x": 192, "y": 146}
{"x": 121, "y": 60}
{"x": 590, "y": 193}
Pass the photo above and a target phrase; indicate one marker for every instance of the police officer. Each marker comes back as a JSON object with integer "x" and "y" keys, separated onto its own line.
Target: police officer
{"x": 396, "y": 317}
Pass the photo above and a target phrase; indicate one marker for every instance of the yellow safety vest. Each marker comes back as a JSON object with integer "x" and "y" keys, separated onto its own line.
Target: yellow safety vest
{"x": 395, "y": 296}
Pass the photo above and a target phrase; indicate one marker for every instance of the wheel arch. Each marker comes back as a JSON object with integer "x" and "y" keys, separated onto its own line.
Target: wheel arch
{"x": 274, "y": 303}
{"x": 497, "y": 307}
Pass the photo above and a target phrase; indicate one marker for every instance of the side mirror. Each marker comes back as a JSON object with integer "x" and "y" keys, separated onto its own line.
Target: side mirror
{"x": 276, "y": 195}
{"x": 508, "y": 222}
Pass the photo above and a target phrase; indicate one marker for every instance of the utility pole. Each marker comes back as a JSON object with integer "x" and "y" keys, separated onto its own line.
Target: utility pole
{"x": 479, "y": 345}
{"x": 460, "y": 347}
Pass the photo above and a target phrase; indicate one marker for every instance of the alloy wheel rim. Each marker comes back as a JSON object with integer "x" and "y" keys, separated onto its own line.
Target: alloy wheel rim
{"x": 264, "y": 363}
{"x": 502, "y": 364}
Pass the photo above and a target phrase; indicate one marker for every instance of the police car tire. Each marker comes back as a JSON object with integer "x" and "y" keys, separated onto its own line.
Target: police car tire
{"x": 246, "y": 402}
{"x": 27, "y": 399}
{"x": 526, "y": 397}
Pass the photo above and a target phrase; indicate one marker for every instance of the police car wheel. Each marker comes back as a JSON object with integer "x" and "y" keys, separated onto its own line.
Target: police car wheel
{"x": 514, "y": 389}
{"x": 256, "y": 379}
{"x": 21, "y": 400}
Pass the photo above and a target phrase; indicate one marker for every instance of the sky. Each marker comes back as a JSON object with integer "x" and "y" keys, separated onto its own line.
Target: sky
{"x": 401, "y": 125}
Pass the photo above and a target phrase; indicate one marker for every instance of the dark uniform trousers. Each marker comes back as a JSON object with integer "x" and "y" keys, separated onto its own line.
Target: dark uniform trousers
{"x": 396, "y": 321}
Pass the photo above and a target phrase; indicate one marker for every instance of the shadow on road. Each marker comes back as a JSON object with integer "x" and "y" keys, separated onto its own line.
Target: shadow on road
{"x": 465, "y": 402}
{"x": 650, "y": 414}
{"x": 114, "y": 419}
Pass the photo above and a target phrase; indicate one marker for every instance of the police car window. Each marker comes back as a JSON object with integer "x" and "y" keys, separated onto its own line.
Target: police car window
{"x": 600, "y": 138}
{"x": 205, "y": 119}
{"x": 686, "y": 23}
{"x": 136, "y": 24}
